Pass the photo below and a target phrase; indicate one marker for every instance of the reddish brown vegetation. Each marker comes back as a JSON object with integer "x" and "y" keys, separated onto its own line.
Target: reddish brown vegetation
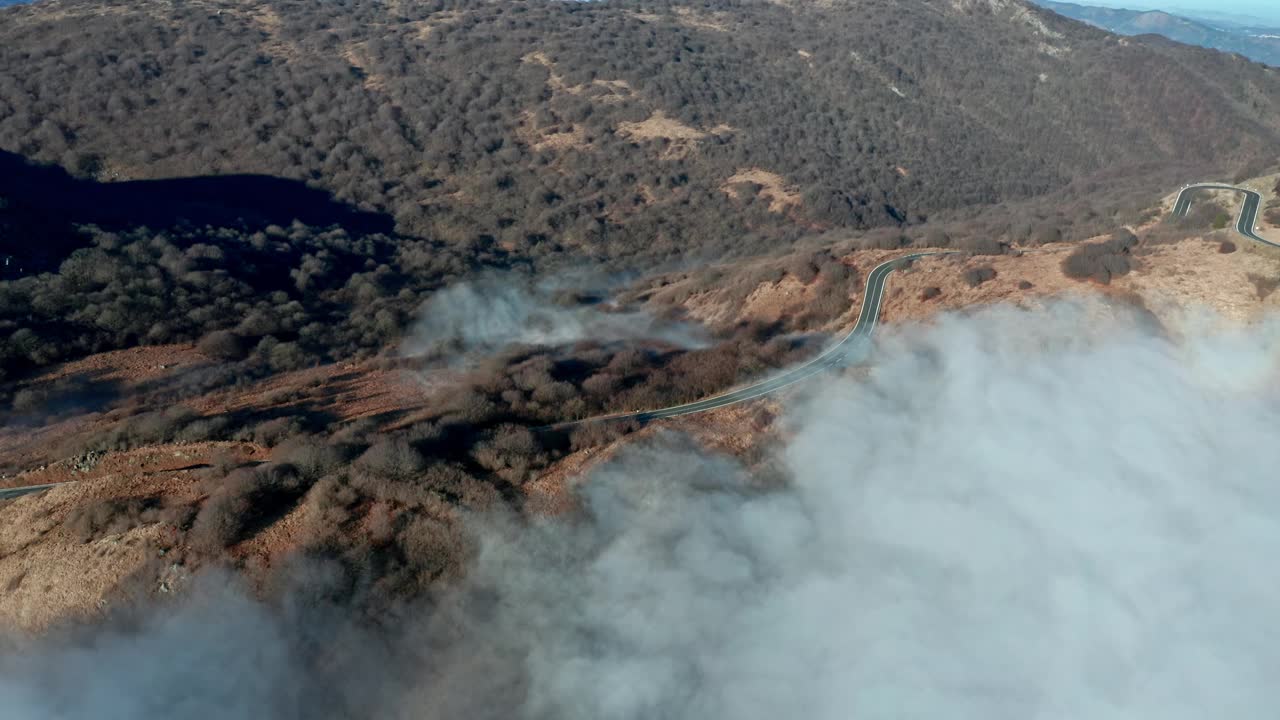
{"x": 975, "y": 276}
{"x": 1264, "y": 286}
{"x": 1272, "y": 213}
{"x": 1101, "y": 261}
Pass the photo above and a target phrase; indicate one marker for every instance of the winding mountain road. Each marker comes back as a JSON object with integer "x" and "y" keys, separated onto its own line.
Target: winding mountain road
{"x": 1245, "y": 221}
{"x": 853, "y": 347}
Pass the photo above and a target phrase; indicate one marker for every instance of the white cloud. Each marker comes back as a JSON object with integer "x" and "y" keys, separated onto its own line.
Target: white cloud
{"x": 505, "y": 309}
{"x": 1045, "y": 514}
{"x": 1010, "y": 519}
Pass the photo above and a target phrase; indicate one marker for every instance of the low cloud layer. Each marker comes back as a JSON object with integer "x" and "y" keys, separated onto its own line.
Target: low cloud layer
{"x": 506, "y": 309}
{"x": 1048, "y": 514}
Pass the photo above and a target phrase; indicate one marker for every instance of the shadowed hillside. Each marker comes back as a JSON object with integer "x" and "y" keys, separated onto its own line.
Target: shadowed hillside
{"x": 42, "y": 205}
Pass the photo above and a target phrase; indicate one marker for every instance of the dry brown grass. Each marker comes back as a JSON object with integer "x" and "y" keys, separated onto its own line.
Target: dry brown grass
{"x": 680, "y": 140}
{"x": 357, "y": 55}
{"x": 705, "y": 20}
{"x": 660, "y": 127}
{"x": 773, "y": 187}
{"x": 599, "y": 89}
{"x": 346, "y": 391}
{"x": 550, "y": 138}
{"x": 424, "y": 28}
{"x": 51, "y": 573}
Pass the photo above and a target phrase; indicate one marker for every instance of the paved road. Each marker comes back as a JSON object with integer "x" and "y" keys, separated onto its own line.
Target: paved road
{"x": 1246, "y": 221}
{"x": 7, "y": 493}
{"x": 851, "y": 349}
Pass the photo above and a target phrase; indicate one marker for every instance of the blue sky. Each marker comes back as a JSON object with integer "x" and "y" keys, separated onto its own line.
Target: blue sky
{"x": 1268, "y": 10}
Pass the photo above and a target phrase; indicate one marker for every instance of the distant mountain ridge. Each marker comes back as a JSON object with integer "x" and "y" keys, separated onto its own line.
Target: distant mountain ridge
{"x": 1259, "y": 44}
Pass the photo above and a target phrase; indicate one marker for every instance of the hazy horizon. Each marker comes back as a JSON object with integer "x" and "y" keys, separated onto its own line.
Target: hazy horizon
{"x": 1264, "y": 11}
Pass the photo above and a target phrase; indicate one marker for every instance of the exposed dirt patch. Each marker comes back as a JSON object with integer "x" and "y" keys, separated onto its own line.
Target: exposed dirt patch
{"x": 550, "y": 138}
{"x": 61, "y": 575}
{"x": 139, "y": 462}
{"x": 1166, "y": 278}
{"x": 773, "y": 187}
{"x": 266, "y": 20}
{"x": 133, "y": 366}
{"x": 1178, "y": 277}
{"x": 678, "y": 139}
{"x": 357, "y": 54}
{"x": 935, "y": 284}
{"x": 706, "y": 20}
{"x": 766, "y": 302}
{"x": 343, "y": 391}
{"x": 599, "y": 89}
{"x": 659, "y": 127}
{"x": 423, "y": 28}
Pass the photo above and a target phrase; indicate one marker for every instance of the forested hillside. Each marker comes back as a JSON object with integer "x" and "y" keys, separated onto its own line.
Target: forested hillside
{"x": 331, "y": 222}
{"x": 615, "y": 129}
{"x": 306, "y": 173}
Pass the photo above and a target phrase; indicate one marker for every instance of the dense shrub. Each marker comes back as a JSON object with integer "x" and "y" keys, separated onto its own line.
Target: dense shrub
{"x": 595, "y": 434}
{"x": 275, "y": 430}
{"x": 449, "y": 140}
{"x": 243, "y": 502}
{"x": 222, "y": 345}
{"x": 936, "y": 237}
{"x": 152, "y": 428}
{"x": 1272, "y": 211}
{"x": 975, "y": 276}
{"x": 1205, "y": 215}
{"x": 1101, "y": 261}
{"x": 113, "y": 516}
{"x": 392, "y": 459}
{"x": 980, "y": 245}
{"x": 1263, "y": 285}
{"x": 312, "y": 457}
{"x": 144, "y": 287}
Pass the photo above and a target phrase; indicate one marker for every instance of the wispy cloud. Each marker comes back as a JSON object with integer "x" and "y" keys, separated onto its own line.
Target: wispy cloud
{"x": 504, "y": 309}
{"x": 1051, "y": 514}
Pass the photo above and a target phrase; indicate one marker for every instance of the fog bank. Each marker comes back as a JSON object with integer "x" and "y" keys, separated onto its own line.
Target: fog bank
{"x": 497, "y": 310}
{"x": 1049, "y": 514}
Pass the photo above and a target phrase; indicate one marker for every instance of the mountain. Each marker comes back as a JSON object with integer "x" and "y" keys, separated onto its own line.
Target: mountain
{"x": 1259, "y": 44}
{"x": 303, "y": 291}
{"x": 621, "y": 132}
{"x": 418, "y": 144}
